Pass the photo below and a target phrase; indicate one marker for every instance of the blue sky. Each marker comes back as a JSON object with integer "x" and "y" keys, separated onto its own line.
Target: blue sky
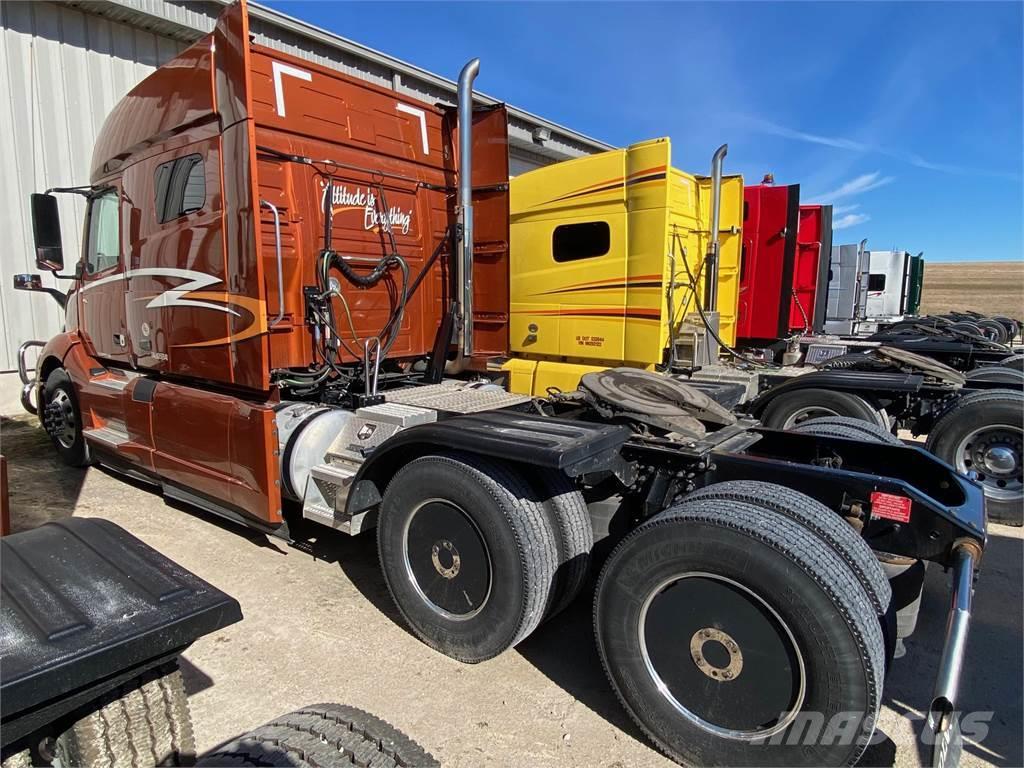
{"x": 906, "y": 116}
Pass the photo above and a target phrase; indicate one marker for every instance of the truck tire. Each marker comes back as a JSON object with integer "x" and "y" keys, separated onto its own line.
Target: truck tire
{"x": 473, "y": 575}
{"x": 727, "y": 629}
{"x": 998, "y": 374}
{"x": 1013, "y": 361}
{"x": 815, "y": 517}
{"x": 143, "y": 723}
{"x": 791, "y": 408}
{"x": 848, "y": 428}
{"x": 993, "y": 330}
{"x": 982, "y": 431}
{"x": 323, "y": 736}
{"x": 568, "y": 516}
{"x": 62, "y": 419}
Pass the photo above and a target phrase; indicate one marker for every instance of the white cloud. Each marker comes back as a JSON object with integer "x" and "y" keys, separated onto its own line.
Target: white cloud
{"x": 841, "y": 209}
{"x": 858, "y": 186}
{"x": 850, "y": 220}
{"x": 841, "y": 142}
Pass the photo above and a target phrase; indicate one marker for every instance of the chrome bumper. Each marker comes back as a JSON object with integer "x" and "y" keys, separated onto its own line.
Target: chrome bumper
{"x": 943, "y": 724}
{"x": 28, "y": 381}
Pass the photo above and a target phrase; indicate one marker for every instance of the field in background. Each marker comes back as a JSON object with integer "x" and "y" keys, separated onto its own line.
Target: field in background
{"x": 989, "y": 287}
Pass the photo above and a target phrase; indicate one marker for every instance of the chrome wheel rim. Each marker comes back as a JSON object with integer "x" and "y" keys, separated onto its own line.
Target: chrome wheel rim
{"x": 807, "y": 412}
{"x": 994, "y": 453}
{"x": 702, "y": 688}
{"x": 59, "y": 419}
{"x": 446, "y": 559}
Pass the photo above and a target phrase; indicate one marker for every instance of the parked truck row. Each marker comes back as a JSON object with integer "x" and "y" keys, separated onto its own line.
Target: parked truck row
{"x": 305, "y": 297}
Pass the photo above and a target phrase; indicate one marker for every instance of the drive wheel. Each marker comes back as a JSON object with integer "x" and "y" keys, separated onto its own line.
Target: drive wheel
{"x": 792, "y": 408}
{"x": 144, "y": 723}
{"x": 569, "y": 518}
{"x": 1012, "y": 361}
{"x": 816, "y": 517}
{"x": 323, "y": 736}
{"x": 468, "y": 555}
{"x": 726, "y": 628}
{"x": 848, "y": 428}
{"x": 998, "y": 374}
{"x": 983, "y": 432}
{"x": 62, "y": 419}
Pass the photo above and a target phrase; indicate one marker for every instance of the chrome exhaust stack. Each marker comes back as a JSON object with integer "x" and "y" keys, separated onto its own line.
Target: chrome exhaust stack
{"x": 464, "y": 251}
{"x": 711, "y": 260}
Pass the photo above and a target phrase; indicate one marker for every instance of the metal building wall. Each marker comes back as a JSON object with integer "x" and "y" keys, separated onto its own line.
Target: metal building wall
{"x": 61, "y": 72}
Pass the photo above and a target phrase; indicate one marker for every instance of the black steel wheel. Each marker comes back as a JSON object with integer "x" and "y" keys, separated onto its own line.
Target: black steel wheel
{"x": 62, "y": 419}
{"x": 983, "y": 433}
{"x": 468, "y": 554}
{"x": 789, "y": 409}
{"x": 726, "y": 629}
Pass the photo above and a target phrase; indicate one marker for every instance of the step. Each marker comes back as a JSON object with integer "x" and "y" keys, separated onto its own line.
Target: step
{"x": 113, "y": 434}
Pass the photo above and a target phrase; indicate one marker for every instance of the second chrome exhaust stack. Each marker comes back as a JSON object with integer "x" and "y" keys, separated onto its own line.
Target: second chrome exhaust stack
{"x": 711, "y": 267}
{"x": 464, "y": 251}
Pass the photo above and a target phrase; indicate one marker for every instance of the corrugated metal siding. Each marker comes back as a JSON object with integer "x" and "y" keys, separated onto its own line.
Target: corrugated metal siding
{"x": 61, "y": 72}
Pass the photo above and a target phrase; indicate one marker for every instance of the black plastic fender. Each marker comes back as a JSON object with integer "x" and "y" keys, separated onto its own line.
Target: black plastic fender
{"x": 569, "y": 446}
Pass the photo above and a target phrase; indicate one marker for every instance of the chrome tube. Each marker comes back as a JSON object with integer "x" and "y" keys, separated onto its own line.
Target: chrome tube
{"x": 711, "y": 261}
{"x": 942, "y": 714}
{"x": 280, "y": 266}
{"x": 464, "y": 266}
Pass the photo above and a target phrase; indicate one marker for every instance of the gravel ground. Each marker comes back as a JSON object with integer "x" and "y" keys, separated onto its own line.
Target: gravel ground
{"x": 320, "y": 626}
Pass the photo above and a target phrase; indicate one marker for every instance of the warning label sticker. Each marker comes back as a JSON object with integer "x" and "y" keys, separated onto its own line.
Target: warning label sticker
{"x": 890, "y": 506}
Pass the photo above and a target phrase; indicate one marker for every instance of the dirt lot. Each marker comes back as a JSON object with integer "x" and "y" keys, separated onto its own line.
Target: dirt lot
{"x": 990, "y": 287}
{"x": 319, "y": 626}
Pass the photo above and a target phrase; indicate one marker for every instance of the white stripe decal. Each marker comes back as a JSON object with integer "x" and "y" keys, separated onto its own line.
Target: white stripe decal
{"x": 419, "y": 113}
{"x": 173, "y": 297}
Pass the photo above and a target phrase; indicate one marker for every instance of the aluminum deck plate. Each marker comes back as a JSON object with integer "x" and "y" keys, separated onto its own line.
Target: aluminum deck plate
{"x": 455, "y": 397}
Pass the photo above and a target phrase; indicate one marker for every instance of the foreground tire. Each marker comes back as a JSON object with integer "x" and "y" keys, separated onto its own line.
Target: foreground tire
{"x": 568, "y": 516}
{"x": 792, "y": 408}
{"x": 725, "y": 629}
{"x": 810, "y": 513}
{"x": 144, "y": 723}
{"x": 983, "y": 432}
{"x": 323, "y": 736}
{"x": 468, "y": 555}
{"x": 62, "y": 419}
{"x": 847, "y": 428}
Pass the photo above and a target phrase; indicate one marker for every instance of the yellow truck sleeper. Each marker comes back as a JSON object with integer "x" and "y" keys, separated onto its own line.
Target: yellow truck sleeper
{"x": 595, "y": 244}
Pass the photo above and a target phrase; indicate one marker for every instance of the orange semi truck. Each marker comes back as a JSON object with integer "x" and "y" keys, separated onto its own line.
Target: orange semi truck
{"x": 292, "y": 290}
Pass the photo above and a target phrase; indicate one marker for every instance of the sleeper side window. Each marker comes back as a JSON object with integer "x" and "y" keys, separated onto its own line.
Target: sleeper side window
{"x": 104, "y": 247}
{"x": 572, "y": 242}
{"x": 876, "y": 282}
{"x": 180, "y": 187}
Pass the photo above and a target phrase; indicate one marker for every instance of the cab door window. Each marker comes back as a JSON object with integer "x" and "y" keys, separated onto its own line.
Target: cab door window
{"x": 103, "y": 250}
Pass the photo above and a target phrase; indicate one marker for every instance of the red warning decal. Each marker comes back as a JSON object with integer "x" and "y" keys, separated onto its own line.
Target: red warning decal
{"x": 890, "y": 506}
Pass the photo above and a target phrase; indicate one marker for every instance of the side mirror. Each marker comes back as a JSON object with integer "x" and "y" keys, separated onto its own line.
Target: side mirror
{"x": 46, "y": 230}
{"x": 28, "y": 283}
{"x": 35, "y": 283}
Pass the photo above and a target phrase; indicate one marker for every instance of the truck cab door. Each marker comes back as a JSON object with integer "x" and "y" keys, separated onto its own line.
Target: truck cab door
{"x": 102, "y": 293}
